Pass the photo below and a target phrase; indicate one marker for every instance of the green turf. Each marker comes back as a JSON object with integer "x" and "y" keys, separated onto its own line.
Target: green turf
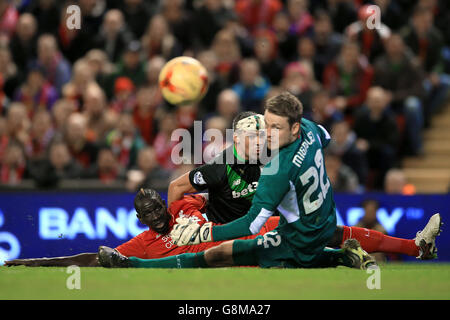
{"x": 398, "y": 281}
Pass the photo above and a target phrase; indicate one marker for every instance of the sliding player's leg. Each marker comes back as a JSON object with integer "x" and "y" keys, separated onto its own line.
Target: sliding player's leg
{"x": 422, "y": 247}
{"x": 266, "y": 251}
{"x": 223, "y": 255}
{"x": 271, "y": 251}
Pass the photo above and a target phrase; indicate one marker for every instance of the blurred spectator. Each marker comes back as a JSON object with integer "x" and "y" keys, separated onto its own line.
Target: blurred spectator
{"x": 36, "y": 93}
{"x": 63, "y": 165}
{"x": 369, "y": 38}
{"x": 426, "y": 43}
{"x": 76, "y": 42}
{"x": 243, "y": 36}
{"x": 94, "y": 109}
{"x": 137, "y": 13}
{"x": 8, "y": 17}
{"x": 49, "y": 171}
{"x": 163, "y": 143}
{"x": 287, "y": 41}
{"x": 395, "y": 182}
{"x": 252, "y": 86}
{"x": 9, "y": 78}
{"x": 114, "y": 36}
{"x": 343, "y": 144}
{"x": 228, "y": 106}
{"x": 13, "y": 167}
{"x": 154, "y": 67}
{"x": 18, "y": 124}
{"x": 391, "y": 13}
{"x": 425, "y": 40}
{"x": 215, "y": 83}
{"x": 306, "y": 50}
{"x": 301, "y": 21}
{"x": 82, "y": 77}
{"x": 41, "y": 134}
{"x": 348, "y": 78}
{"x": 124, "y": 98}
{"x": 57, "y": 68}
{"x": 147, "y": 173}
{"x": 81, "y": 149}
{"x": 4, "y": 139}
{"x": 342, "y": 13}
{"x": 227, "y": 51}
{"x": 327, "y": 42}
{"x": 144, "y": 113}
{"x": 298, "y": 79}
{"x": 208, "y": 19}
{"x": 370, "y": 221}
{"x": 215, "y": 129}
{"x": 23, "y": 42}
{"x": 125, "y": 141}
{"x": 378, "y": 135}
{"x": 159, "y": 40}
{"x": 130, "y": 66}
{"x": 186, "y": 115}
{"x": 324, "y": 112}
{"x": 107, "y": 169}
{"x": 179, "y": 21}
{"x": 47, "y": 13}
{"x": 255, "y": 14}
{"x": 265, "y": 49}
{"x": 99, "y": 65}
{"x": 342, "y": 177}
{"x": 441, "y": 12}
{"x": 61, "y": 111}
{"x": 396, "y": 73}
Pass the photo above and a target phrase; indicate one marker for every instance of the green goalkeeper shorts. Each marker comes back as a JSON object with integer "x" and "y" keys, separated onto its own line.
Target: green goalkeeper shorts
{"x": 266, "y": 251}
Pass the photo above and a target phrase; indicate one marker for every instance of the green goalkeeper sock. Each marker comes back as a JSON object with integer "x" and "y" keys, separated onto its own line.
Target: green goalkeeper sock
{"x": 185, "y": 260}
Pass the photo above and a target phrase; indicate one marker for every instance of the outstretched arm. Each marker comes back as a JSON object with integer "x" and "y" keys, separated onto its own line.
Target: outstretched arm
{"x": 269, "y": 195}
{"x": 265, "y": 202}
{"x": 178, "y": 187}
{"x": 81, "y": 260}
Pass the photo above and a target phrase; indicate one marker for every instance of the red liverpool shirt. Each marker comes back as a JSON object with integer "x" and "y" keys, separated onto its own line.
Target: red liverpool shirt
{"x": 152, "y": 245}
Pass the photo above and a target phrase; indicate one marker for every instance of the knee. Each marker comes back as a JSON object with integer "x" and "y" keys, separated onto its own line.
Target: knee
{"x": 219, "y": 256}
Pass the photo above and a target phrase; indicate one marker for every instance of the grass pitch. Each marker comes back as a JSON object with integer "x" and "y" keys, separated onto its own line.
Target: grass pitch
{"x": 397, "y": 281}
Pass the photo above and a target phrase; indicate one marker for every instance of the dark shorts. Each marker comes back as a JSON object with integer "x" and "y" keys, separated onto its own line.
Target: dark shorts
{"x": 266, "y": 251}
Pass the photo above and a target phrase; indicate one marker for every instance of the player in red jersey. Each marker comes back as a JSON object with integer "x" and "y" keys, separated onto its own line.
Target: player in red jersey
{"x": 153, "y": 243}
{"x": 156, "y": 242}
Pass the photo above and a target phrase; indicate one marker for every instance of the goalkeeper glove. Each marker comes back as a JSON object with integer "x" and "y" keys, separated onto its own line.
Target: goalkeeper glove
{"x": 187, "y": 232}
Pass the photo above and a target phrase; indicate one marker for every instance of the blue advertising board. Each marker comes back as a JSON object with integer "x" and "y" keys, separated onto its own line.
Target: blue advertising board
{"x": 46, "y": 224}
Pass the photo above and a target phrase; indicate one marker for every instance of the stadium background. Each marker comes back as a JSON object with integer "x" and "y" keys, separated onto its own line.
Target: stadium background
{"x": 83, "y": 124}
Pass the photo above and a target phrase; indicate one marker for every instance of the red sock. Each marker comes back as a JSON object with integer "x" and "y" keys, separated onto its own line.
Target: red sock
{"x": 375, "y": 241}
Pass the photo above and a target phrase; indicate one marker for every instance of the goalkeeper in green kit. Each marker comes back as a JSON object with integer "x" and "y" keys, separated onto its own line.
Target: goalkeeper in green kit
{"x": 295, "y": 183}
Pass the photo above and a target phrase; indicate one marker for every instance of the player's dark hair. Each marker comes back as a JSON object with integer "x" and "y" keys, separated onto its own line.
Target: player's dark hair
{"x": 242, "y": 115}
{"x": 286, "y": 105}
{"x": 146, "y": 201}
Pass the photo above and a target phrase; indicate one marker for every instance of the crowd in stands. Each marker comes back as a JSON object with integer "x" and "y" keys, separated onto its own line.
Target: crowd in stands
{"x": 85, "y": 103}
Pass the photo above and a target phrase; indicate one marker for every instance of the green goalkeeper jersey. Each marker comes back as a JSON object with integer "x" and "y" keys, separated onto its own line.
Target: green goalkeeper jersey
{"x": 302, "y": 193}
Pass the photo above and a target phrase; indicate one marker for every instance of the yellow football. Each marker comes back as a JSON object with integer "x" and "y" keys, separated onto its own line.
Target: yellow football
{"x": 183, "y": 80}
